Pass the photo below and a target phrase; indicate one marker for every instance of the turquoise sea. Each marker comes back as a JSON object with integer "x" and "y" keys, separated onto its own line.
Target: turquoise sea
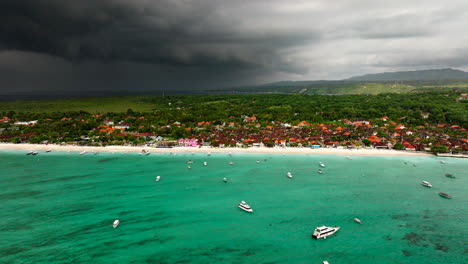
{"x": 58, "y": 207}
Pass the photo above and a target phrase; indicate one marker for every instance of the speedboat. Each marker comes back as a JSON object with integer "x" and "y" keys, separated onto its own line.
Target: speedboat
{"x": 116, "y": 223}
{"x": 190, "y": 161}
{"x": 321, "y": 164}
{"x": 450, "y": 175}
{"x": 289, "y": 175}
{"x": 445, "y": 195}
{"x": 34, "y": 153}
{"x": 357, "y": 220}
{"x": 426, "y": 183}
{"x": 205, "y": 163}
{"x": 188, "y": 167}
{"x": 244, "y": 206}
{"x": 325, "y": 262}
{"x": 30, "y": 152}
{"x": 224, "y": 179}
{"x": 49, "y": 150}
{"x": 209, "y": 153}
{"x": 442, "y": 161}
{"x": 231, "y": 163}
{"x": 348, "y": 157}
{"x": 158, "y": 178}
{"x": 324, "y": 231}
{"x": 320, "y": 171}
{"x": 83, "y": 152}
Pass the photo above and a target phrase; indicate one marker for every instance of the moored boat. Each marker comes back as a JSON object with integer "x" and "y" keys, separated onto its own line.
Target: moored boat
{"x": 320, "y": 171}
{"x": 450, "y": 175}
{"x": 158, "y": 178}
{"x": 325, "y": 262}
{"x": 357, "y": 220}
{"x": 426, "y": 183}
{"x": 116, "y": 223}
{"x": 445, "y": 195}
{"x": 83, "y": 152}
{"x": 244, "y": 206}
{"x": 324, "y": 232}
{"x": 289, "y": 175}
{"x": 225, "y": 179}
{"x": 205, "y": 163}
{"x": 321, "y": 164}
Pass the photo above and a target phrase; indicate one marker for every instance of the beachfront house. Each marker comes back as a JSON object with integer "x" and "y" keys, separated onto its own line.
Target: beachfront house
{"x": 188, "y": 142}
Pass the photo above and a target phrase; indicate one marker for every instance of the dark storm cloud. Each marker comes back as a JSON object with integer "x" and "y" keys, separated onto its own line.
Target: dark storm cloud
{"x": 158, "y": 32}
{"x": 187, "y": 44}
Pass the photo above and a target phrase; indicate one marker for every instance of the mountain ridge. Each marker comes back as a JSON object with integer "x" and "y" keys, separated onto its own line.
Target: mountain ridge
{"x": 417, "y": 75}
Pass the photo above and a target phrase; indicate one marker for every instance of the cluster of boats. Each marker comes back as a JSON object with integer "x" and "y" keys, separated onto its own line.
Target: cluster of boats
{"x": 442, "y": 194}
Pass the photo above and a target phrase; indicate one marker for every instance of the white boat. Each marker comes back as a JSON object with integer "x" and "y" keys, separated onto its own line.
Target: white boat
{"x": 231, "y": 163}
{"x": 442, "y": 161}
{"x": 49, "y": 150}
{"x": 205, "y": 163}
{"x": 224, "y": 179}
{"x": 244, "y": 206}
{"x": 158, "y": 178}
{"x": 348, "y": 157}
{"x": 258, "y": 161}
{"x": 320, "y": 171}
{"x": 30, "y": 152}
{"x": 426, "y": 183}
{"x": 209, "y": 153}
{"x": 190, "y": 161}
{"x": 321, "y": 164}
{"x": 34, "y": 153}
{"x": 83, "y": 152}
{"x": 188, "y": 167}
{"x": 357, "y": 220}
{"x": 324, "y": 232}
{"x": 289, "y": 175}
{"x": 116, "y": 223}
{"x": 325, "y": 262}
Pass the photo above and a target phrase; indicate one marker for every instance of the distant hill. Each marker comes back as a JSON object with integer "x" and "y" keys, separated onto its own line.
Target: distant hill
{"x": 387, "y": 82}
{"x": 422, "y": 75}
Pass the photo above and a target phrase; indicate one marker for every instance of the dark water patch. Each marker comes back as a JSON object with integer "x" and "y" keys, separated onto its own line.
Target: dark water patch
{"x": 247, "y": 253}
{"x": 21, "y": 194}
{"x": 126, "y": 213}
{"x": 16, "y": 225}
{"x": 441, "y": 247}
{"x": 68, "y": 178}
{"x": 465, "y": 251}
{"x": 414, "y": 239}
{"x": 287, "y": 221}
{"x": 406, "y": 253}
{"x": 427, "y": 228}
{"x": 388, "y": 238}
{"x": 77, "y": 209}
{"x": 400, "y": 217}
{"x": 107, "y": 160}
{"x": 8, "y": 251}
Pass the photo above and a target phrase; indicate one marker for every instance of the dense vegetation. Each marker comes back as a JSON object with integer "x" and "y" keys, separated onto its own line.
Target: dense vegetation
{"x": 439, "y": 107}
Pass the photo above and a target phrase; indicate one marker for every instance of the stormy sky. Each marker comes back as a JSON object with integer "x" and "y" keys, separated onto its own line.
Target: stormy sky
{"x": 117, "y": 46}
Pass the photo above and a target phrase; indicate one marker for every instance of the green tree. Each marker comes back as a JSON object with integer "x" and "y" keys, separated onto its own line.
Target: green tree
{"x": 439, "y": 148}
{"x": 399, "y": 146}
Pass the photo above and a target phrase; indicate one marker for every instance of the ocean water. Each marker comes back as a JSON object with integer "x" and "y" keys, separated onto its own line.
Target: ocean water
{"x": 59, "y": 207}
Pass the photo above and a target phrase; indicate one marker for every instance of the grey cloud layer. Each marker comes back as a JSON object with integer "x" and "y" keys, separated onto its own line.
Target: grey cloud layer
{"x": 242, "y": 41}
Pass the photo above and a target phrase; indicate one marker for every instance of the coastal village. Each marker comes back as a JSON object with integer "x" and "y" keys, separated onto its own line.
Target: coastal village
{"x": 242, "y": 131}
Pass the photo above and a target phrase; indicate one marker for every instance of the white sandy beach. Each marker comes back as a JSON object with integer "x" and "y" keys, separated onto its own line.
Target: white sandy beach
{"x": 319, "y": 151}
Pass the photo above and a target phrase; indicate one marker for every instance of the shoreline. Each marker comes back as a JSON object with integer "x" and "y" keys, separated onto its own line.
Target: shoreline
{"x": 257, "y": 150}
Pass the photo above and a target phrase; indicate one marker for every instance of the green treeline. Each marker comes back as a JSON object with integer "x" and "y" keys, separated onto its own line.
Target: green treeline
{"x": 439, "y": 107}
